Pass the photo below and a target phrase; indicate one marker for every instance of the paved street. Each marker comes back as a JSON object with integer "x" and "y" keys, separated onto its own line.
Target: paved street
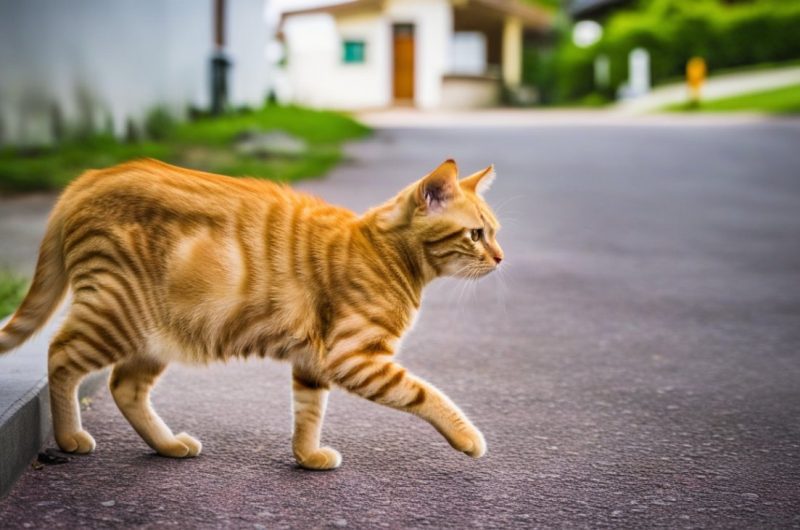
{"x": 636, "y": 363}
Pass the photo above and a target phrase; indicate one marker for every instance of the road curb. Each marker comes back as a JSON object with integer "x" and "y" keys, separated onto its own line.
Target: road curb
{"x": 25, "y": 421}
{"x": 27, "y": 425}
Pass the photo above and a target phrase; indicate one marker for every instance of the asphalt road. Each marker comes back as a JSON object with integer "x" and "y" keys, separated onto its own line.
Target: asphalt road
{"x": 637, "y": 363}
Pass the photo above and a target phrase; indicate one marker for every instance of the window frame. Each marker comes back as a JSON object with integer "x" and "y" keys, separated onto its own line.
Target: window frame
{"x": 358, "y": 42}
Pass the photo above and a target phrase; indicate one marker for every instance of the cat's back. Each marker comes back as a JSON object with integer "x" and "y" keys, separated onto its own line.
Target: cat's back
{"x": 201, "y": 253}
{"x": 151, "y": 184}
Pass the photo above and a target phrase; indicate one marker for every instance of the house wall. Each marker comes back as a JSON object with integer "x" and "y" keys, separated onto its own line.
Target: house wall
{"x": 316, "y": 74}
{"x": 470, "y": 92}
{"x": 106, "y": 61}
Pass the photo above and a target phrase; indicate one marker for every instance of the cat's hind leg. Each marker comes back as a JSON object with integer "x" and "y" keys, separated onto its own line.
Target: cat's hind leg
{"x": 130, "y": 384}
{"x": 73, "y": 354}
{"x": 92, "y": 337}
{"x": 309, "y": 400}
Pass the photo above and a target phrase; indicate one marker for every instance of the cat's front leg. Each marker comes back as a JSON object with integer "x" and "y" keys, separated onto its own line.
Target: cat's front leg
{"x": 310, "y": 398}
{"x": 379, "y": 379}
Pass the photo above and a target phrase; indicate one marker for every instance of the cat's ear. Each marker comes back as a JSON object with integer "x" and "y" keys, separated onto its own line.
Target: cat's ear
{"x": 439, "y": 187}
{"x": 479, "y": 182}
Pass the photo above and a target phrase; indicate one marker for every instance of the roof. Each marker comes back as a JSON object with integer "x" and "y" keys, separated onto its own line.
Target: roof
{"x": 531, "y": 16}
{"x": 579, "y": 8}
{"x": 344, "y": 8}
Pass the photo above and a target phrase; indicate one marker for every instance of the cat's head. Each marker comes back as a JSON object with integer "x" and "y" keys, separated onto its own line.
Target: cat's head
{"x": 450, "y": 220}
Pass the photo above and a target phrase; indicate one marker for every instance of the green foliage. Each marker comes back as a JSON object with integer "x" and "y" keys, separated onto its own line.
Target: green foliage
{"x": 549, "y": 5}
{"x": 205, "y": 143}
{"x": 314, "y": 126}
{"x": 673, "y": 31}
{"x": 54, "y": 167}
{"x": 12, "y": 290}
{"x": 574, "y": 70}
{"x": 779, "y": 101}
{"x": 159, "y": 124}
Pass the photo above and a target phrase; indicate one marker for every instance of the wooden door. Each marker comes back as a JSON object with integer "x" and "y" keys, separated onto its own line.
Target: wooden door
{"x": 403, "y": 63}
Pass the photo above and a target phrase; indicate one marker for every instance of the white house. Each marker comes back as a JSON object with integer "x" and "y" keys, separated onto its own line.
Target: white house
{"x": 425, "y": 53}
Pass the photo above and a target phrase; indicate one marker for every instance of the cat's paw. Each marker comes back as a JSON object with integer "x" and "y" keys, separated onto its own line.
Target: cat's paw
{"x": 80, "y": 442}
{"x": 470, "y": 441}
{"x": 182, "y": 446}
{"x": 191, "y": 442}
{"x": 321, "y": 459}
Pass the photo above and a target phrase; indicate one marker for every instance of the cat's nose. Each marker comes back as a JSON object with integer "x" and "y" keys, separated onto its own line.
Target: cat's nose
{"x": 498, "y": 258}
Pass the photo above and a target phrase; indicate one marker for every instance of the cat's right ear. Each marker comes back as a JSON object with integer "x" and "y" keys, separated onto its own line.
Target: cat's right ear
{"x": 439, "y": 187}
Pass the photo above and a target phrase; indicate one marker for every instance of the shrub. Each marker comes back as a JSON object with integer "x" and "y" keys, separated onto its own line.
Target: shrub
{"x": 673, "y": 31}
{"x": 12, "y": 290}
{"x": 159, "y": 124}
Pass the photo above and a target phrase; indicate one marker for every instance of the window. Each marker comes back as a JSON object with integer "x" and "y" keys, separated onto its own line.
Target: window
{"x": 468, "y": 53}
{"x": 354, "y": 51}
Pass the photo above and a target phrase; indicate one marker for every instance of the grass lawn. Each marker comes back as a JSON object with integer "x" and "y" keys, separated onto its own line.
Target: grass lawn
{"x": 12, "y": 290}
{"x": 205, "y": 143}
{"x": 778, "y": 101}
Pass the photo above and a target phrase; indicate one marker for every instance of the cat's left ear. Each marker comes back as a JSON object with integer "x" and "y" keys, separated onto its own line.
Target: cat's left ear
{"x": 479, "y": 182}
{"x": 439, "y": 187}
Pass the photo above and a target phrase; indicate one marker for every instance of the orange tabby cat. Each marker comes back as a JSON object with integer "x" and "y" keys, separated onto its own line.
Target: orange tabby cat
{"x": 168, "y": 264}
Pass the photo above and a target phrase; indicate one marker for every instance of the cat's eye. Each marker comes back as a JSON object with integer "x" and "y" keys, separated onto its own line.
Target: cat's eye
{"x": 476, "y": 234}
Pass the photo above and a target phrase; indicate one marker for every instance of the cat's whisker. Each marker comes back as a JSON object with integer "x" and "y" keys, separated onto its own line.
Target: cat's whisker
{"x": 505, "y": 201}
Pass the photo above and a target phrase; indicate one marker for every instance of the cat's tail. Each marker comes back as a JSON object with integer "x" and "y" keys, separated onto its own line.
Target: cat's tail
{"x": 46, "y": 291}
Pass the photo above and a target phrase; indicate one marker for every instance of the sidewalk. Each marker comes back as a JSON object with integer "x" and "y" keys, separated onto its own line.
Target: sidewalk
{"x": 537, "y": 117}
{"x": 717, "y": 87}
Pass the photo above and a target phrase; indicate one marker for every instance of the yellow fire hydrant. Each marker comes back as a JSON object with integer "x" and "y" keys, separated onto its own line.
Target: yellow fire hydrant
{"x": 695, "y": 77}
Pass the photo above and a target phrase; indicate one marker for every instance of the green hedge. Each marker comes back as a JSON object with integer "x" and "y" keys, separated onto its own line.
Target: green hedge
{"x": 673, "y": 31}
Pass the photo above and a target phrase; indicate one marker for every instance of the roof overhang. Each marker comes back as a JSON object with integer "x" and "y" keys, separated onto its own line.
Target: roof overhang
{"x": 532, "y": 17}
{"x": 590, "y": 8}
{"x": 356, "y": 7}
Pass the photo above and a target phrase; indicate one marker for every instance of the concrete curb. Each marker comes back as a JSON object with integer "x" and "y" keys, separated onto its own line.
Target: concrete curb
{"x": 25, "y": 428}
{"x": 25, "y": 421}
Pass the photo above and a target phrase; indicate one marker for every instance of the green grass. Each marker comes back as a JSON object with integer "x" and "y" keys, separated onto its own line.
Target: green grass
{"x": 53, "y": 168}
{"x": 12, "y": 290}
{"x": 205, "y": 143}
{"x": 778, "y": 101}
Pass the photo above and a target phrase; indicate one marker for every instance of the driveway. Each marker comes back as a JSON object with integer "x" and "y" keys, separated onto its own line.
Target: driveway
{"x": 635, "y": 364}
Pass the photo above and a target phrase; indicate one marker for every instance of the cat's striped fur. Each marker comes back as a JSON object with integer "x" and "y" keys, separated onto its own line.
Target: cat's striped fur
{"x": 170, "y": 264}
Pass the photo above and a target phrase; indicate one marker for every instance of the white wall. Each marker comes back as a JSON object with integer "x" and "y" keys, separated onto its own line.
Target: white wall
{"x": 125, "y": 56}
{"x": 316, "y": 73}
{"x": 317, "y": 76}
{"x": 469, "y": 93}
